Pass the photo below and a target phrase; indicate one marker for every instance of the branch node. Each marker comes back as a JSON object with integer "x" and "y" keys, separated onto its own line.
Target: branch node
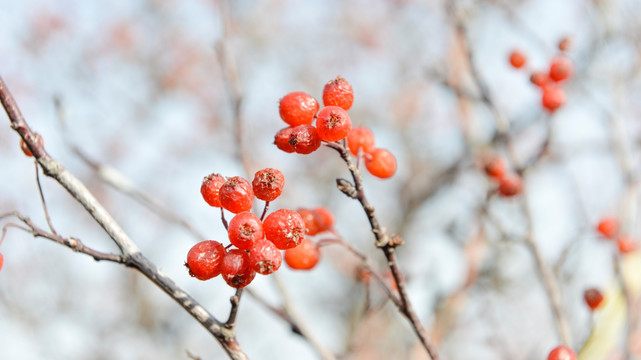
{"x": 346, "y": 188}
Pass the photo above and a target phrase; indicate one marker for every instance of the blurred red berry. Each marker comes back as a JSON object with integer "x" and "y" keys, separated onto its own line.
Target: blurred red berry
{"x": 495, "y": 167}
{"x": 565, "y": 43}
{"x": 517, "y": 59}
{"x": 236, "y": 195}
{"x": 210, "y": 189}
{"x": 510, "y": 185}
{"x": 244, "y": 229}
{"x": 236, "y": 269}
{"x": 626, "y": 244}
{"x": 1, "y": 261}
{"x": 380, "y": 163}
{"x": 204, "y": 259}
{"x": 333, "y": 123}
{"x": 608, "y": 227}
{"x": 285, "y": 228}
{"x": 304, "y": 256}
{"x": 553, "y": 97}
{"x": 539, "y": 78}
{"x": 264, "y": 257}
{"x": 324, "y": 217}
{"x": 560, "y": 68}
{"x": 338, "y": 92}
{"x": 305, "y": 139}
{"x": 282, "y": 140}
{"x": 298, "y": 108}
{"x": 360, "y": 137}
{"x": 593, "y": 298}
{"x": 310, "y": 218}
{"x": 562, "y": 352}
{"x": 268, "y": 184}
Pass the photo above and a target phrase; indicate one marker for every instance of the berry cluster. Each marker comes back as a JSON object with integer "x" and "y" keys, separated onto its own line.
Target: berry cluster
{"x": 551, "y": 81}
{"x": 608, "y": 228}
{"x": 256, "y": 241}
{"x": 332, "y": 123}
{"x": 509, "y": 184}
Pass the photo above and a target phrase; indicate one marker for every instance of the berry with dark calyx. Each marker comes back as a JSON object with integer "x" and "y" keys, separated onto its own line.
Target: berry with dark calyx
{"x": 495, "y": 167}
{"x": 360, "y": 137}
{"x": 553, "y": 97}
{"x": 310, "y": 218}
{"x": 244, "y": 230}
{"x": 562, "y": 352}
{"x": 25, "y": 149}
{"x": 626, "y": 244}
{"x": 285, "y": 228}
{"x": 539, "y": 78}
{"x": 325, "y": 218}
{"x": 236, "y": 195}
{"x": 236, "y": 269}
{"x": 304, "y": 139}
{"x": 282, "y": 140}
{"x": 264, "y": 257}
{"x": 204, "y": 259}
{"x": 510, "y": 185}
{"x": 210, "y": 189}
{"x": 560, "y": 69}
{"x": 517, "y": 59}
{"x": 268, "y": 184}
{"x": 303, "y": 257}
{"x": 298, "y": 108}
{"x": 608, "y": 227}
{"x": 593, "y": 298}
{"x": 380, "y": 163}
{"x": 333, "y": 123}
{"x": 338, "y": 92}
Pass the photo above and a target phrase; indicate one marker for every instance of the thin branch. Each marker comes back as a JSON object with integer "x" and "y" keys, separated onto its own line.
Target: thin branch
{"x": 42, "y": 199}
{"x": 235, "y": 302}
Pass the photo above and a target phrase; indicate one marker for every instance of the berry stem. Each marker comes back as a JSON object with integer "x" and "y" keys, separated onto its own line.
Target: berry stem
{"x": 235, "y": 303}
{"x": 262, "y": 217}
{"x": 222, "y": 218}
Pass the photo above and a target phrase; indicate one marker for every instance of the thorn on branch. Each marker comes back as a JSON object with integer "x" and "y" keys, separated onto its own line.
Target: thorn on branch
{"x": 346, "y": 188}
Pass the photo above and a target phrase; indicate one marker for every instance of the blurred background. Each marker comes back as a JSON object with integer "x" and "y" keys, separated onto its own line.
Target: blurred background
{"x": 166, "y": 92}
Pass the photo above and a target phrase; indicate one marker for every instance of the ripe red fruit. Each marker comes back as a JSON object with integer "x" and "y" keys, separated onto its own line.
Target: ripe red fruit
{"x": 495, "y": 167}
{"x": 268, "y": 184}
{"x": 281, "y": 140}
{"x": 338, "y": 92}
{"x": 264, "y": 257}
{"x": 562, "y": 352}
{"x": 608, "y": 227}
{"x": 285, "y": 228}
{"x": 539, "y": 78}
{"x": 236, "y": 269}
{"x": 360, "y": 138}
{"x": 517, "y": 59}
{"x": 626, "y": 244}
{"x": 510, "y": 185}
{"x": 553, "y": 97}
{"x": 1, "y": 261}
{"x": 25, "y": 148}
{"x": 236, "y": 195}
{"x": 298, "y": 108}
{"x": 305, "y": 139}
{"x": 310, "y": 218}
{"x": 244, "y": 229}
{"x": 303, "y": 257}
{"x": 333, "y": 123}
{"x": 210, "y": 189}
{"x": 593, "y": 298}
{"x": 324, "y": 217}
{"x": 204, "y": 259}
{"x": 560, "y": 68}
{"x": 380, "y": 163}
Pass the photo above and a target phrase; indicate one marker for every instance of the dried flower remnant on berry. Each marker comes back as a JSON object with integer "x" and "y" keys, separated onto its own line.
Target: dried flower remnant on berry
{"x": 333, "y": 123}
{"x": 268, "y": 184}
{"x": 236, "y": 269}
{"x": 244, "y": 230}
{"x": 338, "y": 92}
{"x": 236, "y": 195}
{"x": 264, "y": 257}
{"x": 285, "y": 228}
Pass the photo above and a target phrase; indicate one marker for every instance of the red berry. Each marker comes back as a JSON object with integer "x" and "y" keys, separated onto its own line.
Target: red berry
{"x": 304, "y": 139}
{"x": 25, "y": 149}
{"x": 210, "y": 189}
{"x": 303, "y": 257}
{"x": 1, "y": 261}
{"x": 360, "y": 138}
{"x": 594, "y": 298}
{"x": 510, "y": 185}
{"x": 282, "y": 140}
{"x": 236, "y": 195}
{"x": 310, "y": 218}
{"x": 264, "y": 257}
{"x": 244, "y": 229}
{"x": 380, "y": 163}
{"x": 608, "y": 227}
{"x": 495, "y": 167}
{"x": 626, "y": 244}
{"x": 204, "y": 259}
{"x": 553, "y": 97}
{"x": 539, "y": 78}
{"x": 325, "y": 218}
{"x": 298, "y": 108}
{"x": 333, "y": 123}
{"x": 268, "y": 184}
{"x": 285, "y": 228}
{"x": 560, "y": 68}
{"x": 565, "y": 44}
{"x": 562, "y": 352}
{"x": 517, "y": 59}
{"x": 236, "y": 269}
{"x": 338, "y": 92}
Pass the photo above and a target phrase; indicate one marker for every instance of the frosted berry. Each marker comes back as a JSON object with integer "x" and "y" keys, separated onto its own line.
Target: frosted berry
{"x": 560, "y": 69}
{"x": 282, "y": 140}
{"x": 325, "y": 218}
{"x": 495, "y": 167}
{"x": 244, "y": 230}
{"x": 380, "y": 163}
{"x": 236, "y": 195}
{"x": 562, "y": 352}
{"x": 298, "y": 108}
{"x": 517, "y": 59}
{"x": 539, "y": 78}
{"x": 333, "y": 123}
{"x": 304, "y": 139}
{"x": 236, "y": 269}
{"x": 303, "y": 257}
{"x": 204, "y": 259}
{"x": 210, "y": 189}
{"x": 310, "y": 218}
{"x": 264, "y": 257}
{"x": 268, "y": 184}
{"x": 593, "y": 298}
{"x": 510, "y": 185}
{"x": 285, "y": 228}
{"x": 626, "y": 244}
{"x": 553, "y": 98}
{"x": 608, "y": 227}
{"x": 25, "y": 149}
{"x": 338, "y": 92}
{"x": 360, "y": 138}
